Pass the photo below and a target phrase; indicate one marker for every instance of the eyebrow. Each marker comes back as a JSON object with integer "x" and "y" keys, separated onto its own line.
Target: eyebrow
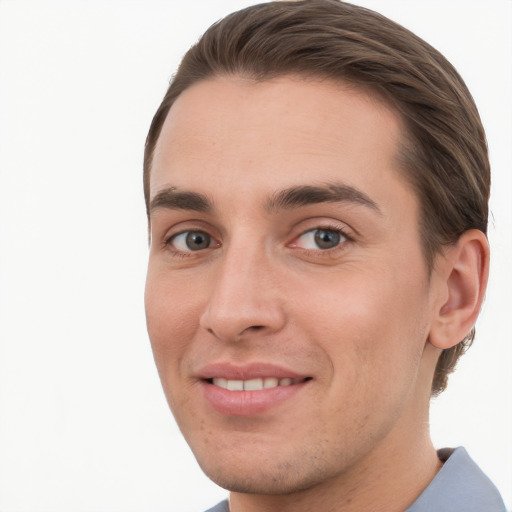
{"x": 290, "y": 198}
{"x": 173, "y": 199}
{"x": 296, "y": 197}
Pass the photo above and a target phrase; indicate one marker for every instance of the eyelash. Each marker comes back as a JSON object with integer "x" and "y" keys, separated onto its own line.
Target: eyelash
{"x": 329, "y": 252}
{"x": 341, "y": 246}
{"x": 168, "y": 243}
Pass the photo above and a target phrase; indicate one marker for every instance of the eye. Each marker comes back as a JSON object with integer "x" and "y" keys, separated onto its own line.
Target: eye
{"x": 320, "y": 238}
{"x": 191, "y": 241}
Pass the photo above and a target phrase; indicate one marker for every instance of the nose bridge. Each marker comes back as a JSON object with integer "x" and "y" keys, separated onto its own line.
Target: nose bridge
{"x": 242, "y": 297}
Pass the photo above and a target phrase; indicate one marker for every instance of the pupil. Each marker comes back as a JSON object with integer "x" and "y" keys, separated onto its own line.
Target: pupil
{"x": 326, "y": 239}
{"x": 197, "y": 240}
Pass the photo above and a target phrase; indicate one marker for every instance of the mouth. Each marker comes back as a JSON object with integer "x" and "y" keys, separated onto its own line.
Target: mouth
{"x": 250, "y": 390}
{"x": 256, "y": 384}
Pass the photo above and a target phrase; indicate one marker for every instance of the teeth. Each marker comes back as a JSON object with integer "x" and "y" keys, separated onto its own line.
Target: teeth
{"x": 235, "y": 385}
{"x": 222, "y": 383}
{"x": 270, "y": 382}
{"x": 253, "y": 384}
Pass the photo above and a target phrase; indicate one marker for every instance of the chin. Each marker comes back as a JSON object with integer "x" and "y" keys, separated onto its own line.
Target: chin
{"x": 250, "y": 474}
{"x": 272, "y": 483}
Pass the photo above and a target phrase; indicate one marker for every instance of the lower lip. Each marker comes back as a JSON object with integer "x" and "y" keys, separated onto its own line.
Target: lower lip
{"x": 248, "y": 403}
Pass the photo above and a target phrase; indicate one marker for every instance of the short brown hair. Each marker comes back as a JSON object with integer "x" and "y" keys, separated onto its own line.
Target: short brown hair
{"x": 444, "y": 156}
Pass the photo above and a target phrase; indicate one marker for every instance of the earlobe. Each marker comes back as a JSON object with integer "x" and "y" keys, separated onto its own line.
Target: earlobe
{"x": 462, "y": 278}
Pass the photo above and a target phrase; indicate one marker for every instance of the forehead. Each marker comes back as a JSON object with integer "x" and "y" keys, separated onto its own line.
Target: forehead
{"x": 271, "y": 135}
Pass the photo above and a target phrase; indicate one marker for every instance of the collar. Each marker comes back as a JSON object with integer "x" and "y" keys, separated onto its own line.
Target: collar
{"x": 460, "y": 486}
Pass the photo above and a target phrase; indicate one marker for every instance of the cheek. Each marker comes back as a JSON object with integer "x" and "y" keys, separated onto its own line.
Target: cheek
{"x": 172, "y": 321}
{"x": 371, "y": 325}
{"x": 171, "y": 317}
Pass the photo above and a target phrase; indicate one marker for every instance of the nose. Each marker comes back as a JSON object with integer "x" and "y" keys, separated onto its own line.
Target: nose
{"x": 244, "y": 298}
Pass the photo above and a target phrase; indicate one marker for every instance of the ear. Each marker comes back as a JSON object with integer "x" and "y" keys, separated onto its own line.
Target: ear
{"x": 461, "y": 278}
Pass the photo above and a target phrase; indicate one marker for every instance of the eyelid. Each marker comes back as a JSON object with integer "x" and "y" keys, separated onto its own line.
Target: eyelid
{"x": 183, "y": 239}
{"x": 171, "y": 226}
{"x": 328, "y": 225}
{"x": 169, "y": 238}
{"x": 345, "y": 232}
{"x": 187, "y": 226}
{"x": 302, "y": 228}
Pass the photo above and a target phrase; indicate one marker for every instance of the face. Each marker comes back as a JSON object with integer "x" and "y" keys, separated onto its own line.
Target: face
{"x": 288, "y": 302}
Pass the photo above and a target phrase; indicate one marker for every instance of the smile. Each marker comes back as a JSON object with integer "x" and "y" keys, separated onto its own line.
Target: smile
{"x": 251, "y": 396}
{"x": 254, "y": 384}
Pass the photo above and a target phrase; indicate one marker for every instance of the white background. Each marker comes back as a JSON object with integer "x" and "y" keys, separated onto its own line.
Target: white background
{"x": 83, "y": 422}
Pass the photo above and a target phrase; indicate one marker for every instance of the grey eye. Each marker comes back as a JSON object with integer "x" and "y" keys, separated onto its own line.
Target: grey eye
{"x": 192, "y": 241}
{"x": 326, "y": 238}
{"x": 321, "y": 238}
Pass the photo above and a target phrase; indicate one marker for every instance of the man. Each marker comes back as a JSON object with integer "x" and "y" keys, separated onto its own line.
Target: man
{"x": 317, "y": 182}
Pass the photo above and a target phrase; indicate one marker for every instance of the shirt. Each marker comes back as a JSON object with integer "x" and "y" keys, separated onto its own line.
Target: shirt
{"x": 460, "y": 486}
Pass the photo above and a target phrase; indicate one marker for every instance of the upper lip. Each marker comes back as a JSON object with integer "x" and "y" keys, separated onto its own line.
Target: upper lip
{"x": 232, "y": 371}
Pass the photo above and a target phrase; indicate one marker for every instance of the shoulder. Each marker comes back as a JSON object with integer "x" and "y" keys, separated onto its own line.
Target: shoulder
{"x": 460, "y": 486}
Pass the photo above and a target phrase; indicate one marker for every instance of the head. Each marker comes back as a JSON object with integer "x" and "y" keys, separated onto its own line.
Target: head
{"x": 443, "y": 148}
{"x": 316, "y": 180}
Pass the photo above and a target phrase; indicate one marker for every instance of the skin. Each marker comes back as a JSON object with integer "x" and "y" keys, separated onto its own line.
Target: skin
{"x": 363, "y": 319}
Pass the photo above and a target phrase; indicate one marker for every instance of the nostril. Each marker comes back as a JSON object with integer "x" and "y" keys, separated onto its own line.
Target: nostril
{"x": 254, "y": 328}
